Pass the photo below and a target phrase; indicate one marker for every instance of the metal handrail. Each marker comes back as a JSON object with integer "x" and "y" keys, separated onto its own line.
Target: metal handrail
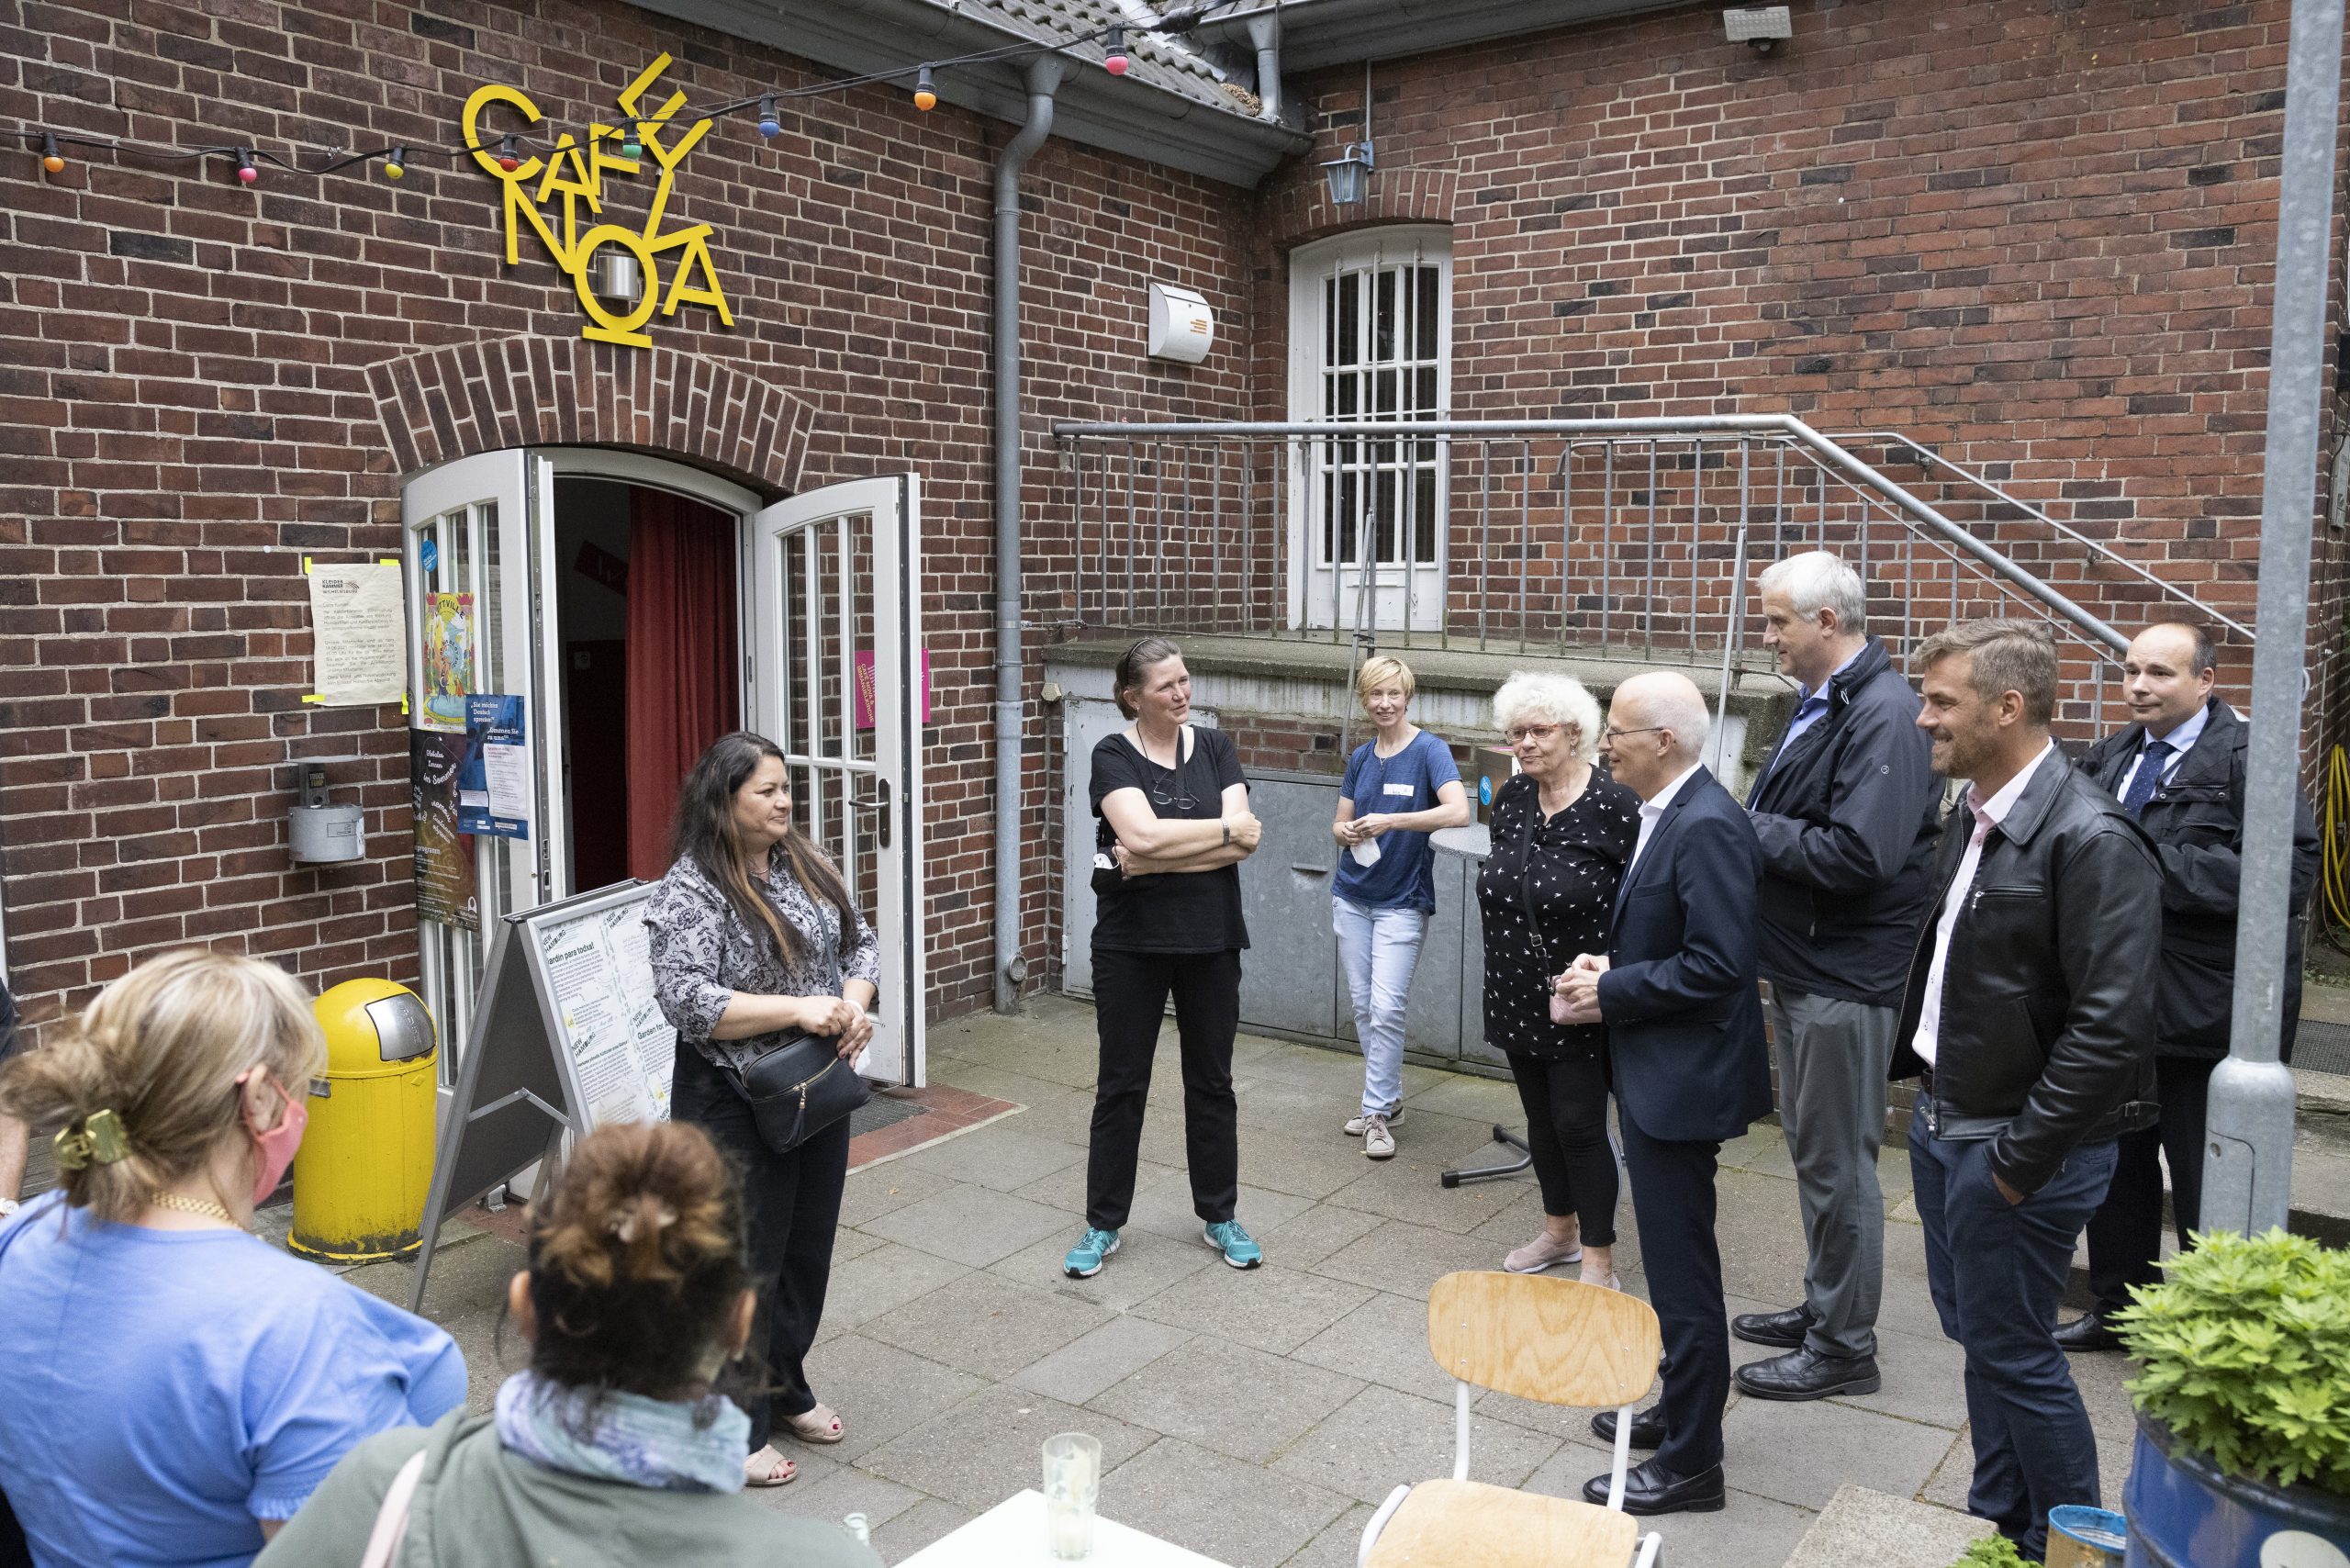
{"x": 2094, "y": 546}
{"x": 1832, "y": 456}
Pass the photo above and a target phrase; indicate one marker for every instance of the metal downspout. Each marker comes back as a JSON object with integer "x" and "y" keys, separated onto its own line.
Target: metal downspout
{"x": 1265, "y": 33}
{"x": 1044, "y": 79}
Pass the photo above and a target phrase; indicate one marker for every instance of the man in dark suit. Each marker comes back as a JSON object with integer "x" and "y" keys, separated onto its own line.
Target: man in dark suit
{"x": 2179, "y": 770}
{"x": 1677, "y": 990}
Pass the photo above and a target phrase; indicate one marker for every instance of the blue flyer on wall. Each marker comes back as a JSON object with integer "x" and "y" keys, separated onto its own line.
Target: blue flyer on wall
{"x": 494, "y": 779}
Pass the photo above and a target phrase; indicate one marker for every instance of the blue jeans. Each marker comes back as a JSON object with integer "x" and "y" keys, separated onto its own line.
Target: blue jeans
{"x": 1996, "y": 1270}
{"x": 1379, "y": 949}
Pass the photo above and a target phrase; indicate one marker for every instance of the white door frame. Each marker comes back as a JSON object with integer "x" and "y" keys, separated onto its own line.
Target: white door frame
{"x": 885, "y": 788}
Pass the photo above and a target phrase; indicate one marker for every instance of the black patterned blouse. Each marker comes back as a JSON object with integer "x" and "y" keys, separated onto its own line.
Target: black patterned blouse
{"x": 703, "y": 953}
{"x": 1577, "y": 858}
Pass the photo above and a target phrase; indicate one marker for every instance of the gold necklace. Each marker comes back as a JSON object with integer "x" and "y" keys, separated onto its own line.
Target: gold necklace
{"x": 209, "y": 1209}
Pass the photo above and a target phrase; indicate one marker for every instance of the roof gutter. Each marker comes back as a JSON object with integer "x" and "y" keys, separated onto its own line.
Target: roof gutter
{"x": 1317, "y": 33}
{"x": 1126, "y": 115}
{"x": 1044, "y": 77}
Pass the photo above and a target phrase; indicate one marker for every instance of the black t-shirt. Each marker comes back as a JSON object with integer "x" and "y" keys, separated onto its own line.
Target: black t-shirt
{"x": 1185, "y": 912}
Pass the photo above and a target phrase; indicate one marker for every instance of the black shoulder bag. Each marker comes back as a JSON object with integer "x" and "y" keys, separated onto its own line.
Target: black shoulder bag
{"x": 799, "y": 1087}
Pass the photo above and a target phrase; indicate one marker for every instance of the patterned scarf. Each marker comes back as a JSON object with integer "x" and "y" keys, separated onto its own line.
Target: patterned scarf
{"x": 654, "y": 1443}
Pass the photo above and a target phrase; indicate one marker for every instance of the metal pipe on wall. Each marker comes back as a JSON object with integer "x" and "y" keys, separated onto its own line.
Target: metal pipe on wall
{"x": 2248, "y": 1160}
{"x": 1044, "y": 75}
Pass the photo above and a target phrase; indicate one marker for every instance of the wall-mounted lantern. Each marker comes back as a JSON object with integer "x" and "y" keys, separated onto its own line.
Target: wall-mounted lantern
{"x": 1349, "y": 174}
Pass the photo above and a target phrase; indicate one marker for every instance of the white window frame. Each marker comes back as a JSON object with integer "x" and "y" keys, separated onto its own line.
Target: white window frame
{"x": 1390, "y": 595}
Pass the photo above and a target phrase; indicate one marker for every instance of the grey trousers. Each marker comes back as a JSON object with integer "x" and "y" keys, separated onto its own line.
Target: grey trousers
{"x": 1833, "y": 1059}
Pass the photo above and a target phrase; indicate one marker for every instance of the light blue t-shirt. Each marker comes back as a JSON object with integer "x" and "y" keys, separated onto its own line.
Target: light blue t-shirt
{"x": 167, "y": 1389}
{"x": 1404, "y": 875}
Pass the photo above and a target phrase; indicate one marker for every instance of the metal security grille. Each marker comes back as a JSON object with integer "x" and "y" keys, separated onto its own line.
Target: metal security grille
{"x": 1382, "y": 352}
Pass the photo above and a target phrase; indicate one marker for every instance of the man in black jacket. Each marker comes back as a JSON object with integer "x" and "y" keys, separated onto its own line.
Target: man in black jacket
{"x": 2178, "y": 769}
{"x": 2030, "y": 1012}
{"x": 1847, "y": 811}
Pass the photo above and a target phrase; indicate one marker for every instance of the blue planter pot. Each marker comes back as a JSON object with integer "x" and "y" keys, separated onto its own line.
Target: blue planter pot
{"x": 2183, "y": 1513}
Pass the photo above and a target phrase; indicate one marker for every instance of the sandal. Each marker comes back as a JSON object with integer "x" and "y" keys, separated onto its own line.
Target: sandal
{"x": 767, "y": 1468}
{"x": 819, "y": 1425}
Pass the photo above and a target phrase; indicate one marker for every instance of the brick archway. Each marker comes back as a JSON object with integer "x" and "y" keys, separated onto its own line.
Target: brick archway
{"x": 540, "y": 391}
{"x": 1301, "y": 211}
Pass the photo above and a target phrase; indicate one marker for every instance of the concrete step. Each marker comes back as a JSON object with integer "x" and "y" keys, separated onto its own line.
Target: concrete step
{"x": 1860, "y": 1525}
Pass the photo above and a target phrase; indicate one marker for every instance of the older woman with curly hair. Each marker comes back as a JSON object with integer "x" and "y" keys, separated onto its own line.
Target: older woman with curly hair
{"x": 1562, "y": 833}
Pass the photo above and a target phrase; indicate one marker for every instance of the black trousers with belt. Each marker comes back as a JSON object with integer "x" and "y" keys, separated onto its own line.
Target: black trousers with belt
{"x": 791, "y": 1203}
{"x": 1130, "y": 992}
{"x": 2126, "y": 1232}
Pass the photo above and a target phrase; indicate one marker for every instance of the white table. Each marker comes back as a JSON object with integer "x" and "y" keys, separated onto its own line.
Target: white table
{"x": 1011, "y": 1535}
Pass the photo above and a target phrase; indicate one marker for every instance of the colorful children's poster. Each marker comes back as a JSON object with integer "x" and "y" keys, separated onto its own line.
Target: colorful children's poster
{"x": 446, "y": 885}
{"x": 494, "y": 780}
{"x": 448, "y": 662}
{"x": 862, "y": 703}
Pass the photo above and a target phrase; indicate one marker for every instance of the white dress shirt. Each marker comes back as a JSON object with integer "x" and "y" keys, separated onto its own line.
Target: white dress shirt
{"x": 1651, "y": 812}
{"x": 2181, "y": 741}
{"x": 1988, "y": 814}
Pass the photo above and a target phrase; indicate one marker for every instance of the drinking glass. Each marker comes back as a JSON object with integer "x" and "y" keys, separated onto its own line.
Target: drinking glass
{"x": 1072, "y": 1482}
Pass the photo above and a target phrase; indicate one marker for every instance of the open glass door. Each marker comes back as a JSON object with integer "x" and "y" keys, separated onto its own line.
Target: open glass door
{"x": 473, "y": 531}
{"x": 837, "y": 683}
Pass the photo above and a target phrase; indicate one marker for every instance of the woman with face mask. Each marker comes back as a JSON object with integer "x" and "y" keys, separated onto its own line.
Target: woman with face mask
{"x": 176, "y": 1387}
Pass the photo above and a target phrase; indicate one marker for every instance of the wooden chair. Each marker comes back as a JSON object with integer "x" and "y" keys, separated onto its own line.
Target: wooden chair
{"x": 1559, "y": 1341}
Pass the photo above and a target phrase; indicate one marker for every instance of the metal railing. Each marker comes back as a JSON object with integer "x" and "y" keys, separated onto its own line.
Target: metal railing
{"x": 1600, "y": 539}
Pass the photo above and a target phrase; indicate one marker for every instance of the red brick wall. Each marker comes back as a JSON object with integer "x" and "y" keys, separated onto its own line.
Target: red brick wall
{"x": 197, "y": 381}
{"x": 2038, "y": 238}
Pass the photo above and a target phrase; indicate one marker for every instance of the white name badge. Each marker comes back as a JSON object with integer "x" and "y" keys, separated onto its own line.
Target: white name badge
{"x": 1405, "y": 790}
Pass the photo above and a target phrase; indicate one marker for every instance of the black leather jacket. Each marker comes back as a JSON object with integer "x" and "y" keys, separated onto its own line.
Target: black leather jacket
{"x": 2047, "y": 1031}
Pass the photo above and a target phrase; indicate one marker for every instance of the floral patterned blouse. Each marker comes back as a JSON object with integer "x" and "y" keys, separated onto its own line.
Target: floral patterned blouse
{"x": 702, "y": 954}
{"x": 1576, "y": 858}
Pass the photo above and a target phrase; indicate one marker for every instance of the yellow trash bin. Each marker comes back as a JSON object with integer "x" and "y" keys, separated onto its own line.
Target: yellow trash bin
{"x": 362, "y": 1174}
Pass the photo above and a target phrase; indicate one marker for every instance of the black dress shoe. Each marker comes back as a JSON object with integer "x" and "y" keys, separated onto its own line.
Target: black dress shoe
{"x": 1783, "y": 1328}
{"x": 1648, "y": 1427}
{"x": 2090, "y": 1331}
{"x": 1650, "y": 1488}
{"x": 1805, "y": 1373}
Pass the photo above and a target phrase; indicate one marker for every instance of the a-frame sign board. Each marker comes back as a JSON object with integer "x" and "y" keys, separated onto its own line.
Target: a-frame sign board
{"x": 567, "y": 1037}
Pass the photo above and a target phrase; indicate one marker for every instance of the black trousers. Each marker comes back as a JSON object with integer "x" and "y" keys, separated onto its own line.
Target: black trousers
{"x": 1566, "y": 1131}
{"x": 791, "y": 1203}
{"x": 1673, "y": 1206}
{"x": 1130, "y": 992}
{"x": 2126, "y": 1233}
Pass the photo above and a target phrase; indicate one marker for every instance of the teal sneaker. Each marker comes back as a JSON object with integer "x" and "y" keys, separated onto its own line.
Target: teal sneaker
{"x": 1235, "y": 1243}
{"x": 1085, "y": 1258}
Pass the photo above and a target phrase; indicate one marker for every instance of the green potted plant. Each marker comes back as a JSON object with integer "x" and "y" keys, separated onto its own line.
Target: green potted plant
{"x": 2243, "y": 1401}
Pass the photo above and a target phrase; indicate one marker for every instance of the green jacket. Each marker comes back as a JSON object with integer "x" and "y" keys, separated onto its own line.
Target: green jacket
{"x": 479, "y": 1505}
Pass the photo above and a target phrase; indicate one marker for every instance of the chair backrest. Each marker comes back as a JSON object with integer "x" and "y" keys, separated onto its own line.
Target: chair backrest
{"x": 1560, "y": 1342}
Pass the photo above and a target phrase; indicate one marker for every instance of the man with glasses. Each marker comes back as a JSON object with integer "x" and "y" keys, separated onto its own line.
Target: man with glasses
{"x": 1847, "y": 810}
{"x": 1677, "y": 990}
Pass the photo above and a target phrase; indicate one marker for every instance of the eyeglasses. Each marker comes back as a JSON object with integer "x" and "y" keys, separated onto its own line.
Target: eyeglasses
{"x": 1530, "y": 733}
{"x": 1181, "y": 803}
{"x": 1613, "y": 734}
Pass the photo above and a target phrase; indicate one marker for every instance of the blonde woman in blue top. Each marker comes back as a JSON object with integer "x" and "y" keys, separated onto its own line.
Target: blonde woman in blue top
{"x": 1401, "y": 785}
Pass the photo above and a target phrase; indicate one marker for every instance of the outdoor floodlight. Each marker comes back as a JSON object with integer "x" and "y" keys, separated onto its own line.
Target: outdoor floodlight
{"x": 1762, "y": 26}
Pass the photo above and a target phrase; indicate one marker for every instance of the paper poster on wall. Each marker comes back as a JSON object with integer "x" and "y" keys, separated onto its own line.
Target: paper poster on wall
{"x": 445, "y": 887}
{"x": 599, "y": 972}
{"x": 494, "y": 778}
{"x": 863, "y": 705}
{"x": 448, "y": 662}
{"x": 357, "y": 634}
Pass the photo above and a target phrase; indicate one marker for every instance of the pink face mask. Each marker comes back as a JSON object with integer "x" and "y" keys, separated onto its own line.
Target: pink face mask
{"x": 276, "y": 1147}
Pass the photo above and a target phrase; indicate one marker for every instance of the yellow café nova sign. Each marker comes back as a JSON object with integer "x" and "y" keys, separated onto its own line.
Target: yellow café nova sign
{"x": 575, "y": 173}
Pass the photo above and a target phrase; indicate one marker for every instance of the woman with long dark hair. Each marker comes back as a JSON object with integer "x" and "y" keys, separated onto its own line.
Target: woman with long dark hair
{"x": 755, "y": 939}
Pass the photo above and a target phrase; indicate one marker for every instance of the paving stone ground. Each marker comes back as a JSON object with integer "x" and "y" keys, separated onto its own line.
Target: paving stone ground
{"x": 1257, "y": 1416}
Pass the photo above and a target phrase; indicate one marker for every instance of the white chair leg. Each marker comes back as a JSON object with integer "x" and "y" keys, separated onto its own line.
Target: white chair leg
{"x": 1459, "y": 1430}
{"x": 1651, "y": 1551}
{"x": 1379, "y": 1522}
{"x": 1623, "y": 1458}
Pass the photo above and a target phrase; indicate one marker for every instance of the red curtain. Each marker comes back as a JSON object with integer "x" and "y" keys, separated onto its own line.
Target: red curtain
{"x": 685, "y": 680}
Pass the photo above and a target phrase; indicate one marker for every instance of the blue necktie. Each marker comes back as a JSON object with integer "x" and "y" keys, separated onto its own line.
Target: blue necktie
{"x": 2143, "y": 783}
